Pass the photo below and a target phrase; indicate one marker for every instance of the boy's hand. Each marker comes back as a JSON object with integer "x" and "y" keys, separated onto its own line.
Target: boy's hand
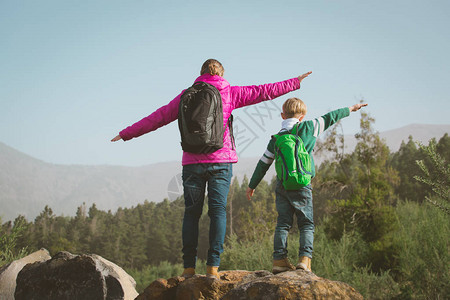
{"x": 301, "y": 77}
{"x": 117, "y": 138}
{"x": 357, "y": 107}
{"x": 250, "y": 193}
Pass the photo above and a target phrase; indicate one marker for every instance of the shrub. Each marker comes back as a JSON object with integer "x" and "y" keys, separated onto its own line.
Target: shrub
{"x": 165, "y": 269}
{"x": 150, "y": 273}
{"x": 346, "y": 260}
{"x": 343, "y": 260}
{"x": 424, "y": 259}
{"x": 8, "y": 241}
{"x": 247, "y": 254}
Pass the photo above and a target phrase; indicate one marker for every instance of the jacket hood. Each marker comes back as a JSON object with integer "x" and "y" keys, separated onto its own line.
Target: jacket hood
{"x": 219, "y": 82}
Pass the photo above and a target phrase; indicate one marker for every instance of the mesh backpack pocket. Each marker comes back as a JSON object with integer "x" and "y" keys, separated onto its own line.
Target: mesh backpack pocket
{"x": 292, "y": 161}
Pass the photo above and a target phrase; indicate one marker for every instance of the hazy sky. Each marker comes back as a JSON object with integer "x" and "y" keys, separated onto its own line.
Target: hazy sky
{"x": 75, "y": 73}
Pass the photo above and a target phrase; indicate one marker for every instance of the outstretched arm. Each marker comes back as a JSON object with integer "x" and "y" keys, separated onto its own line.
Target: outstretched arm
{"x": 253, "y": 94}
{"x": 322, "y": 123}
{"x": 162, "y": 116}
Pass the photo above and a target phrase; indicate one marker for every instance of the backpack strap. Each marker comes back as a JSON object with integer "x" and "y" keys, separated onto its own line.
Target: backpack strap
{"x": 298, "y": 162}
{"x": 295, "y": 128}
{"x": 297, "y": 142}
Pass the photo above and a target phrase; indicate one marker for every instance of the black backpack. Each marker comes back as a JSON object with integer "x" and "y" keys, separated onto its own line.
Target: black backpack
{"x": 200, "y": 119}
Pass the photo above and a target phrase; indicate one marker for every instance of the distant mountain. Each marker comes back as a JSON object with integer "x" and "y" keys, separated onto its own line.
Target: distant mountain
{"x": 393, "y": 138}
{"x": 28, "y": 184}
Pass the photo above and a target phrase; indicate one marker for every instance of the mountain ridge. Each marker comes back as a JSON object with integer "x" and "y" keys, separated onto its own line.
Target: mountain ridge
{"x": 27, "y": 184}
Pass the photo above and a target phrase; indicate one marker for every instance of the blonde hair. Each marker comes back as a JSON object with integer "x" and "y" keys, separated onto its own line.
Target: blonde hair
{"x": 294, "y": 108}
{"x": 213, "y": 67}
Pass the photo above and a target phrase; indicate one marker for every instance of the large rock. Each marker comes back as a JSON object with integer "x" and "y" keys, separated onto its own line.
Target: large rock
{"x": 233, "y": 285}
{"x": 297, "y": 284}
{"x": 8, "y": 273}
{"x": 68, "y": 276}
{"x": 198, "y": 287}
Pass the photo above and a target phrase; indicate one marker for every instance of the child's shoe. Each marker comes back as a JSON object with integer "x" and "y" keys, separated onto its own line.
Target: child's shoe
{"x": 212, "y": 272}
{"x": 282, "y": 265}
{"x": 304, "y": 262}
{"x": 188, "y": 272}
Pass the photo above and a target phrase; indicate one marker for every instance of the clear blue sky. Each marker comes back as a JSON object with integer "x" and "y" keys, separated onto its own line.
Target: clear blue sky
{"x": 74, "y": 73}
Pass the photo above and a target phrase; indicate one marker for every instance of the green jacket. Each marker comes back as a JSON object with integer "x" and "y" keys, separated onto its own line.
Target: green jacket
{"x": 308, "y": 132}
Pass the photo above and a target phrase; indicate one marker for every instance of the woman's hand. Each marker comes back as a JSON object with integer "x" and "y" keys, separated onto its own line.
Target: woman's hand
{"x": 301, "y": 77}
{"x": 117, "y": 138}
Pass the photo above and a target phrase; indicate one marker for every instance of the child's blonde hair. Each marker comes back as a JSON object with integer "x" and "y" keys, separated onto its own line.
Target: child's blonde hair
{"x": 294, "y": 108}
{"x": 213, "y": 67}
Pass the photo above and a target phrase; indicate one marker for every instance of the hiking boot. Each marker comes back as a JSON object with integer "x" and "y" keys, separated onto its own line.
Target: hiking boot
{"x": 188, "y": 272}
{"x": 282, "y": 265}
{"x": 304, "y": 262}
{"x": 212, "y": 272}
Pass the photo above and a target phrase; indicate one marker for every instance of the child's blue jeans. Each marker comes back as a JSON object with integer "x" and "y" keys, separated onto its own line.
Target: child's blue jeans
{"x": 288, "y": 203}
{"x": 195, "y": 177}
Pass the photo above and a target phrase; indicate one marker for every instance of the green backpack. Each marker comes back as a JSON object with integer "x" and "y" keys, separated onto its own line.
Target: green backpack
{"x": 292, "y": 161}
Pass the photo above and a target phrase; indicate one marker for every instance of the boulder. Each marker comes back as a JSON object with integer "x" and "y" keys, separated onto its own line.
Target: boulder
{"x": 297, "y": 284}
{"x": 68, "y": 276}
{"x": 201, "y": 287}
{"x": 8, "y": 273}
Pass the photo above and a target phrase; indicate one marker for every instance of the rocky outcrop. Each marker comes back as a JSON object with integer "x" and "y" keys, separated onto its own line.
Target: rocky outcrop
{"x": 68, "y": 276}
{"x": 8, "y": 273}
{"x": 297, "y": 284}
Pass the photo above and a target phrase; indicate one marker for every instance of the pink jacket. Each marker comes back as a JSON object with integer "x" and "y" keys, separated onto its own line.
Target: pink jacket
{"x": 232, "y": 96}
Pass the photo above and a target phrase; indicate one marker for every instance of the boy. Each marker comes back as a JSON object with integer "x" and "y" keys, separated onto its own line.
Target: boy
{"x": 297, "y": 201}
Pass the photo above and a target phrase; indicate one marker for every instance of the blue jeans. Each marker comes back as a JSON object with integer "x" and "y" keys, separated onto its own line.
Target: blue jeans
{"x": 195, "y": 177}
{"x": 288, "y": 203}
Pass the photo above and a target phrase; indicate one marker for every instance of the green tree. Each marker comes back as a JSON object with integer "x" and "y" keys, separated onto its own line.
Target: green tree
{"x": 366, "y": 184}
{"x": 443, "y": 147}
{"x": 9, "y": 236}
{"x": 437, "y": 177}
{"x": 43, "y": 227}
{"x": 257, "y": 217}
{"x": 404, "y": 162}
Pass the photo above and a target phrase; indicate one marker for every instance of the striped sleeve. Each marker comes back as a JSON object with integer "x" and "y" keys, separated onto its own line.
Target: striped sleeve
{"x": 319, "y": 126}
{"x": 267, "y": 157}
{"x": 322, "y": 123}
